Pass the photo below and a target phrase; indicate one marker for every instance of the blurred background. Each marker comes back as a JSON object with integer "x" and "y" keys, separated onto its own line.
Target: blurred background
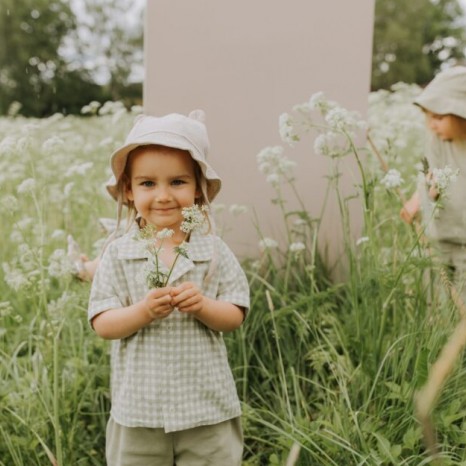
{"x": 59, "y": 55}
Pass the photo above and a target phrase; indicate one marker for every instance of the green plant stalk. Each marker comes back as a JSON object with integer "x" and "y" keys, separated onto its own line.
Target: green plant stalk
{"x": 56, "y": 397}
{"x": 280, "y": 359}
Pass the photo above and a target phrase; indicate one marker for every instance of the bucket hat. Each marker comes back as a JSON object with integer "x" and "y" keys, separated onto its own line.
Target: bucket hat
{"x": 174, "y": 130}
{"x": 446, "y": 93}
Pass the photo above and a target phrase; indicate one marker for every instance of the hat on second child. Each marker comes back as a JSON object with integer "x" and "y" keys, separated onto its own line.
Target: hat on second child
{"x": 174, "y": 130}
{"x": 446, "y": 93}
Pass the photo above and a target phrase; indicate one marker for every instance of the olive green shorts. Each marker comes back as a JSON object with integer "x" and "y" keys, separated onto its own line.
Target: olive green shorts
{"x": 219, "y": 444}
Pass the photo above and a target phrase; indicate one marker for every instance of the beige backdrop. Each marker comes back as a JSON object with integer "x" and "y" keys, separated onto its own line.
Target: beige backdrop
{"x": 245, "y": 62}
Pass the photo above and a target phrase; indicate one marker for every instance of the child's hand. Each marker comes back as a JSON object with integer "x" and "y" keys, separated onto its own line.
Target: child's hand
{"x": 187, "y": 297}
{"x": 411, "y": 208}
{"x": 432, "y": 183}
{"x": 158, "y": 302}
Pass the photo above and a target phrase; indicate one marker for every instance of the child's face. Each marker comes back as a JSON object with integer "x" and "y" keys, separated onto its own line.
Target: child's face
{"x": 446, "y": 127}
{"x": 162, "y": 183}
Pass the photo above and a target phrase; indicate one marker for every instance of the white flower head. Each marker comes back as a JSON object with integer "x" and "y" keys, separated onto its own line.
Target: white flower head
{"x": 52, "y": 145}
{"x": 392, "y": 179}
{"x": 60, "y": 264}
{"x": 237, "y": 209}
{"x": 194, "y": 218}
{"x": 271, "y": 161}
{"x": 327, "y": 144}
{"x": 286, "y": 129}
{"x": 444, "y": 177}
{"x": 15, "y": 278}
{"x": 27, "y": 186}
{"x": 165, "y": 233}
{"x": 297, "y": 247}
{"x": 340, "y": 119}
{"x": 267, "y": 243}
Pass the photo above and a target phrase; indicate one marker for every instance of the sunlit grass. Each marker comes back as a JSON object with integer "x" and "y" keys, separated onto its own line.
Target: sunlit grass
{"x": 326, "y": 371}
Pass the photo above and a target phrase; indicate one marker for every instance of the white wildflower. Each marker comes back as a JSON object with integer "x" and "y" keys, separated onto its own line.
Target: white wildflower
{"x": 165, "y": 233}
{"x": 218, "y": 208}
{"x": 137, "y": 109}
{"x": 267, "y": 243}
{"x": 297, "y": 247}
{"x": 15, "y": 278}
{"x": 26, "y": 186}
{"x": 363, "y": 239}
{"x": 340, "y": 118}
{"x": 326, "y": 144}
{"x": 444, "y": 177}
{"x": 286, "y": 129}
{"x": 60, "y": 264}
{"x": 67, "y": 189}
{"x": 58, "y": 234}
{"x": 392, "y": 179}
{"x": 317, "y": 100}
{"x": 26, "y": 258}
{"x": 237, "y": 209}
{"x": 194, "y": 218}
{"x": 91, "y": 108}
{"x": 271, "y": 161}
{"x": 9, "y": 203}
{"x": 52, "y": 145}
{"x": 24, "y": 223}
{"x": 8, "y": 146}
{"x": 79, "y": 169}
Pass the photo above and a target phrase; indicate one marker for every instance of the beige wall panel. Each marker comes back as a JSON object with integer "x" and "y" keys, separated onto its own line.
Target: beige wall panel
{"x": 245, "y": 62}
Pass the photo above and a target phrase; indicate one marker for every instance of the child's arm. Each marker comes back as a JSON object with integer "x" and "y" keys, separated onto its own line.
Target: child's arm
{"x": 125, "y": 321}
{"x": 220, "y": 316}
{"x": 411, "y": 208}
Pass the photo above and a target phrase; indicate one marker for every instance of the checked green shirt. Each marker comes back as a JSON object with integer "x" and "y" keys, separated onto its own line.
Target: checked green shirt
{"x": 173, "y": 373}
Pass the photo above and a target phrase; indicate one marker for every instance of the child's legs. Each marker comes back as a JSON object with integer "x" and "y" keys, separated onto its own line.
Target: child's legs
{"x": 138, "y": 446}
{"x": 217, "y": 445}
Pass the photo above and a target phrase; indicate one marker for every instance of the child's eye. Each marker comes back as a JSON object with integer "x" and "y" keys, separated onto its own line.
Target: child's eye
{"x": 147, "y": 183}
{"x": 178, "y": 182}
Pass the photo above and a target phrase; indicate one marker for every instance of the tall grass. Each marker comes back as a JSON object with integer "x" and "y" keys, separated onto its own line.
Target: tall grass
{"x": 327, "y": 371}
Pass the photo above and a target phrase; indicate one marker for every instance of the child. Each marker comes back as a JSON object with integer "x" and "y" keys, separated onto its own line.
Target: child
{"x": 174, "y": 400}
{"x": 444, "y": 103}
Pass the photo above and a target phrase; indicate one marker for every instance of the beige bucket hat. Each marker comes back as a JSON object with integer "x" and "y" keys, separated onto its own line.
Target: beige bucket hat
{"x": 174, "y": 130}
{"x": 446, "y": 93}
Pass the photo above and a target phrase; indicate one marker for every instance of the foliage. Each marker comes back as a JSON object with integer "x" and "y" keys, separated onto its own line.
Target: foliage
{"x": 413, "y": 39}
{"x": 326, "y": 371}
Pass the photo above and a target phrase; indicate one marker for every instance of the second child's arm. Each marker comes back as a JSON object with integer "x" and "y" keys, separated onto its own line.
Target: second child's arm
{"x": 125, "y": 321}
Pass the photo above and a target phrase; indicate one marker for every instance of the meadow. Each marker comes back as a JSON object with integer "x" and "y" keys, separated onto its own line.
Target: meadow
{"x": 327, "y": 371}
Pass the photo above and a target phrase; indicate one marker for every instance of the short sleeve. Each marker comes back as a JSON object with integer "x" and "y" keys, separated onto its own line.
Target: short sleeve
{"x": 107, "y": 285}
{"x": 233, "y": 285}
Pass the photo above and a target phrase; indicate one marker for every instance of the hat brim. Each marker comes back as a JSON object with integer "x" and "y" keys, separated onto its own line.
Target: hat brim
{"x": 120, "y": 156}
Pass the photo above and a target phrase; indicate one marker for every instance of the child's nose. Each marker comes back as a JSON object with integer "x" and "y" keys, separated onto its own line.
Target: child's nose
{"x": 162, "y": 193}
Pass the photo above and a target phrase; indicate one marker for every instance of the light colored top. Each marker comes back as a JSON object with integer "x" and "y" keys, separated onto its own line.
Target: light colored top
{"x": 173, "y": 373}
{"x": 447, "y": 221}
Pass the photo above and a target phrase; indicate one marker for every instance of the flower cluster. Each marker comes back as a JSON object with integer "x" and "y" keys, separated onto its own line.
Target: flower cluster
{"x": 443, "y": 177}
{"x": 193, "y": 220}
{"x": 275, "y": 165}
{"x": 392, "y": 179}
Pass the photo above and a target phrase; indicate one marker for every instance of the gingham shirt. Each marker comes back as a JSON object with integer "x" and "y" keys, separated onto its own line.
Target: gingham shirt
{"x": 173, "y": 373}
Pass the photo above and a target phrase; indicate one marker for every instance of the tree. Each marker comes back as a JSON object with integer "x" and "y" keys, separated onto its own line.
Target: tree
{"x": 32, "y": 70}
{"x": 412, "y": 39}
{"x": 110, "y": 46}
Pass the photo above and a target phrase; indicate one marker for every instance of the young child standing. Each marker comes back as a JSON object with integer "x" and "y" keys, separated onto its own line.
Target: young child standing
{"x": 444, "y": 103}
{"x": 174, "y": 399}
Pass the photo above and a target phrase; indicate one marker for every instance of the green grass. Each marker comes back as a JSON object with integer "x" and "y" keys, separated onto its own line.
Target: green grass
{"x": 327, "y": 369}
